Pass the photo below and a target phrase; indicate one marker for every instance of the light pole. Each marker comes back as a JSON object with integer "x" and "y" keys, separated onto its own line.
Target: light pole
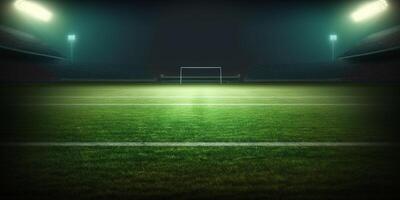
{"x": 71, "y": 40}
{"x": 333, "y": 38}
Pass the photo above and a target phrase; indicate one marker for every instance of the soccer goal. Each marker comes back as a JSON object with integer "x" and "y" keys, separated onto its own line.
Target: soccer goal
{"x": 182, "y": 71}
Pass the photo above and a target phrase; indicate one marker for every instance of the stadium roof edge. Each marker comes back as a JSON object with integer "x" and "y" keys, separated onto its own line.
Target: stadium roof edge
{"x": 31, "y": 53}
{"x": 18, "y": 42}
{"x": 382, "y": 43}
{"x": 370, "y": 53}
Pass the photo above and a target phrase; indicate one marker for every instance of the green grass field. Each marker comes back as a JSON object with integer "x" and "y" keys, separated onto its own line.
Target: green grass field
{"x": 273, "y": 113}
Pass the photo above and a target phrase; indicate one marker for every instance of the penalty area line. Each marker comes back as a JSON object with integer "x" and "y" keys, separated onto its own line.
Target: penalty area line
{"x": 198, "y": 144}
{"x": 198, "y": 104}
{"x": 194, "y": 97}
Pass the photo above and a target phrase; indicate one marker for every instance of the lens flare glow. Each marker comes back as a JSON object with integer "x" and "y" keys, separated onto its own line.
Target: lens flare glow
{"x": 71, "y": 37}
{"x": 369, "y": 10}
{"x": 33, "y": 9}
{"x": 333, "y": 37}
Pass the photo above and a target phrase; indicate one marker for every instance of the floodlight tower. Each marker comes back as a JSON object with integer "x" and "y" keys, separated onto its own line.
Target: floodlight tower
{"x": 71, "y": 40}
{"x": 333, "y": 39}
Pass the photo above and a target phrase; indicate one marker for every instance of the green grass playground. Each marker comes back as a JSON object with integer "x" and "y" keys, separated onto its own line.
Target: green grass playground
{"x": 267, "y": 141}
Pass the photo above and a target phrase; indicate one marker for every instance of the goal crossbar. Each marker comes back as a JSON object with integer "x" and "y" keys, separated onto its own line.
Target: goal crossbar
{"x": 182, "y": 68}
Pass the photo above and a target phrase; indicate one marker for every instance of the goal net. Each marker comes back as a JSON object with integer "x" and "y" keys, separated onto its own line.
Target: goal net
{"x": 210, "y": 73}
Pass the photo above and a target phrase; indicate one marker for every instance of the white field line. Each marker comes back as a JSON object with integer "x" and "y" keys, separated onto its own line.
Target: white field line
{"x": 198, "y": 144}
{"x": 195, "y": 97}
{"x": 197, "y": 104}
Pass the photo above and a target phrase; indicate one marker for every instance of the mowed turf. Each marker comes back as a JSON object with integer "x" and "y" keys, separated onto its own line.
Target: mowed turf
{"x": 198, "y": 113}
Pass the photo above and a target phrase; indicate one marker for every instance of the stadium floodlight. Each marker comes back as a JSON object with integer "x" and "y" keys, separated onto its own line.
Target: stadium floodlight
{"x": 181, "y": 75}
{"x": 33, "y": 9}
{"x": 71, "y": 40}
{"x": 333, "y": 38}
{"x": 369, "y": 10}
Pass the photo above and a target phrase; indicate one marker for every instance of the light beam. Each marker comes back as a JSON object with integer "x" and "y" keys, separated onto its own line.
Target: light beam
{"x": 369, "y": 10}
{"x": 33, "y": 9}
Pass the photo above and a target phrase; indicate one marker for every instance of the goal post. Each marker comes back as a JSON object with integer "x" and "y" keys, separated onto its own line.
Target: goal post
{"x": 181, "y": 72}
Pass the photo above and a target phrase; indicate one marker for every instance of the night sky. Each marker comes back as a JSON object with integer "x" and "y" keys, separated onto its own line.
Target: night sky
{"x": 199, "y": 33}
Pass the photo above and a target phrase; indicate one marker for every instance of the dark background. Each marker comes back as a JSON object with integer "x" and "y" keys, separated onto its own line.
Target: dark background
{"x": 162, "y": 35}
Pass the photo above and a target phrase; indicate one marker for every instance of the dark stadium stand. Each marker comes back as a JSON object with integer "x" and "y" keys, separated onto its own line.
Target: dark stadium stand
{"x": 103, "y": 72}
{"x": 331, "y": 71}
{"x": 24, "y": 57}
{"x": 376, "y": 58}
